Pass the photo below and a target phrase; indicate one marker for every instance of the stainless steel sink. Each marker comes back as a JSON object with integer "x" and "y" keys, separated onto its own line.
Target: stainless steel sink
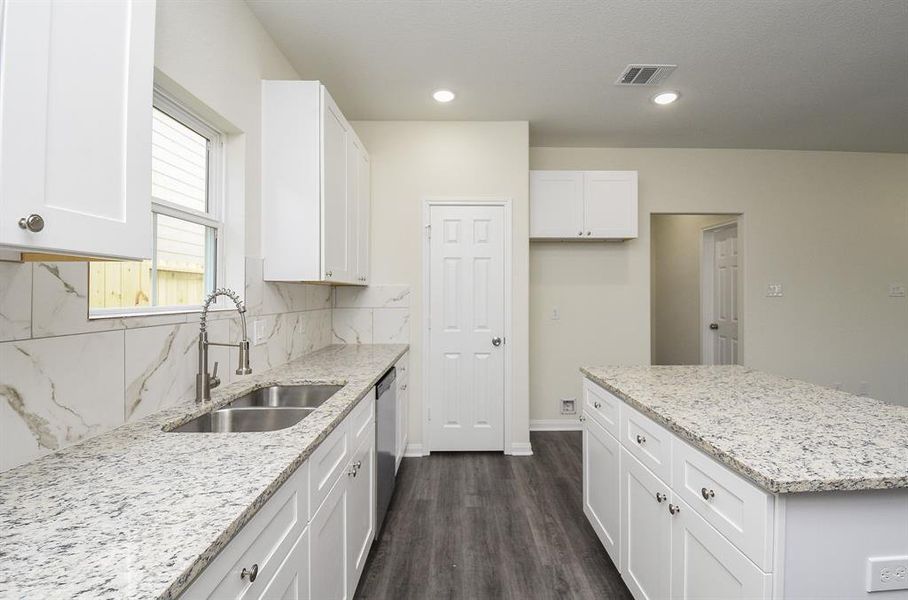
{"x": 236, "y": 420}
{"x": 298, "y": 396}
{"x": 265, "y": 409}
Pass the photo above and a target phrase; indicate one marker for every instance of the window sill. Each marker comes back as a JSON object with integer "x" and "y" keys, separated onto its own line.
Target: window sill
{"x": 162, "y": 312}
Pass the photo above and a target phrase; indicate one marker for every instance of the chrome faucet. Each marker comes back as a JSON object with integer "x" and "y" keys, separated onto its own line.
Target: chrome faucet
{"x": 204, "y": 381}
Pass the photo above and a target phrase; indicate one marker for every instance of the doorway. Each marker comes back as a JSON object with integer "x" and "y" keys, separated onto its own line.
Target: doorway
{"x": 696, "y": 284}
{"x": 466, "y": 287}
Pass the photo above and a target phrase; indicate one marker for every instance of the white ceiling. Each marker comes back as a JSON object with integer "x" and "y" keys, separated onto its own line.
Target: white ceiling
{"x": 796, "y": 74}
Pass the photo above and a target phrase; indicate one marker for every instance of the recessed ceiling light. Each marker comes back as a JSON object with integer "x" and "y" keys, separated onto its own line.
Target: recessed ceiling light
{"x": 666, "y": 97}
{"x": 443, "y": 95}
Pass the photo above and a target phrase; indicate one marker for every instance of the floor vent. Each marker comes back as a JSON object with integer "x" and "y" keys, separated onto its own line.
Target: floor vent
{"x": 645, "y": 74}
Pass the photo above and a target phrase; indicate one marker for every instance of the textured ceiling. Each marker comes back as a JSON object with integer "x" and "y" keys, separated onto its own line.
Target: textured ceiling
{"x": 795, "y": 74}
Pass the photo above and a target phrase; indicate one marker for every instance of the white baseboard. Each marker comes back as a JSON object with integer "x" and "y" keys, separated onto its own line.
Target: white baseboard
{"x": 415, "y": 451}
{"x": 555, "y": 425}
{"x": 521, "y": 449}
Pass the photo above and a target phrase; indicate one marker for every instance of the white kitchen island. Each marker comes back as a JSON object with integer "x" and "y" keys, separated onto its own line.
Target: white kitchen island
{"x": 724, "y": 482}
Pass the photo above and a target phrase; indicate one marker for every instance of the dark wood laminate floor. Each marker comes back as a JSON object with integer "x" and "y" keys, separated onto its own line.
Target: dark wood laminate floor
{"x": 483, "y": 526}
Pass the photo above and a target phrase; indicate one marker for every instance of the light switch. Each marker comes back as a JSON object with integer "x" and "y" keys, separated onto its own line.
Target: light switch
{"x": 555, "y": 314}
{"x": 896, "y": 290}
{"x": 774, "y": 290}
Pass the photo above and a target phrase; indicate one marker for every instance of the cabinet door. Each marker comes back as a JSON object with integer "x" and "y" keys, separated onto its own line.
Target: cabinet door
{"x": 337, "y": 211}
{"x": 645, "y": 531}
{"x": 610, "y": 204}
{"x": 291, "y": 581}
{"x": 360, "y": 511}
{"x": 601, "y": 478}
{"x": 363, "y": 218}
{"x": 706, "y": 565}
{"x": 328, "y": 553}
{"x": 556, "y": 204}
{"x": 75, "y": 126}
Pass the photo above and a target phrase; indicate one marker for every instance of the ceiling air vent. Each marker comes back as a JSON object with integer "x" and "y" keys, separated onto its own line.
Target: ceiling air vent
{"x": 645, "y": 74}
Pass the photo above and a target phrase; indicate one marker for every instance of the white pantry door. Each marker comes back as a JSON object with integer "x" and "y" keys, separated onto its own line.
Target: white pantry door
{"x": 726, "y": 296}
{"x": 466, "y": 327}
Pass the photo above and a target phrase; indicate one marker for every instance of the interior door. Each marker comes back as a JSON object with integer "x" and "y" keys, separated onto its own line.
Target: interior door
{"x": 466, "y": 327}
{"x": 645, "y": 531}
{"x": 338, "y": 254}
{"x": 75, "y": 126}
{"x": 726, "y": 296}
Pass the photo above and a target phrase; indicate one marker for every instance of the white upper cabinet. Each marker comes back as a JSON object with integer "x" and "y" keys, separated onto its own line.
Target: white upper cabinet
{"x": 315, "y": 188}
{"x": 75, "y": 125}
{"x": 593, "y": 205}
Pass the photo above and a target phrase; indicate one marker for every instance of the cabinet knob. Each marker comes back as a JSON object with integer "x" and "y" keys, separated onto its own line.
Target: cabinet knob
{"x": 579, "y": 233}
{"x": 403, "y": 387}
{"x": 589, "y": 233}
{"x": 250, "y": 573}
{"x": 358, "y": 465}
{"x": 674, "y": 509}
{"x": 329, "y": 273}
{"x": 351, "y": 472}
{"x": 32, "y": 222}
{"x": 597, "y": 404}
{"x": 660, "y": 497}
{"x": 707, "y": 494}
{"x": 641, "y": 439}
{"x": 582, "y": 418}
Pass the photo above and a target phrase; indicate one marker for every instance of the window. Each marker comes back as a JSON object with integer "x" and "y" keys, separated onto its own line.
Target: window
{"x": 187, "y": 217}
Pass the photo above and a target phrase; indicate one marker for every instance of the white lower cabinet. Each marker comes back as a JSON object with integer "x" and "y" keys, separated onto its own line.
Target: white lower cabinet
{"x": 645, "y": 530}
{"x": 329, "y": 560}
{"x": 601, "y": 497}
{"x": 706, "y": 565}
{"x": 281, "y": 553}
{"x": 637, "y": 490}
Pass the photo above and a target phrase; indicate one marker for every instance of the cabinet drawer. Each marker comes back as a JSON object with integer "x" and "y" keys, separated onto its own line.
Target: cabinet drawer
{"x": 264, "y": 541}
{"x": 602, "y": 406}
{"x": 738, "y": 509}
{"x": 706, "y": 565}
{"x": 326, "y": 465}
{"x": 648, "y": 442}
{"x": 362, "y": 419}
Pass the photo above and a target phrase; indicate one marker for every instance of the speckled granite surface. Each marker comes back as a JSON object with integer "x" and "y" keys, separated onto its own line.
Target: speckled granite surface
{"x": 139, "y": 512}
{"x": 785, "y": 435}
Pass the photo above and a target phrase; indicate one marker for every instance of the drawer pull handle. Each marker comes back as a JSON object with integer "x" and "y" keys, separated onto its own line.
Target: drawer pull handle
{"x": 251, "y": 573}
{"x": 597, "y": 404}
{"x": 708, "y": 494}
{"x": 674, "y": 509}
{"x": 641, "y": 439}
{"x": 660, "y": 497}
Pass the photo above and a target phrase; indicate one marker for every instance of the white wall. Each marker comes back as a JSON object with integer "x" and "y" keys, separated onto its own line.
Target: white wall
{"x": 675, "y": 286}
{"x": 219, "y": 53}
{"x": 831, "y": 227}
{"x": 412, "y": 160}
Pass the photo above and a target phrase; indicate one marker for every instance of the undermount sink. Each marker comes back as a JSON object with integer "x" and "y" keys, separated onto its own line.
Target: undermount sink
{"x": 265, "y": 409}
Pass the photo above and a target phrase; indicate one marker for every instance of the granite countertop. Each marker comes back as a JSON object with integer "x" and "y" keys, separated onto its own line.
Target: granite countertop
{"x": 139, "y": 512}
{"x": 785, "y": 435}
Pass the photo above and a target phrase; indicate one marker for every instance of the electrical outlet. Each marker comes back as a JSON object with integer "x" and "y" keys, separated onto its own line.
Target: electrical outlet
{"x": 896, "y": 290}
{"x": 774, "y": 290}
{"x": 569, "y": 406}
{"x": 258, "y": 332}
{"x": 555, "y": 314}
{"x": 887, "y": 573}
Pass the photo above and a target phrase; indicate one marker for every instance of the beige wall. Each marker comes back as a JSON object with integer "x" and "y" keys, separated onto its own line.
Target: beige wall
{"x": 675, "y": 286}
{"x": 831, "y": 227}
{"x": 414, "y": 160}
{"x": 219, "y": 53}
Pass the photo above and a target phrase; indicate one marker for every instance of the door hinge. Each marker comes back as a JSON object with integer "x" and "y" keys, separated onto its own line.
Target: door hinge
{"x": 429, "y": 412}
{"x": 429, "y": 232}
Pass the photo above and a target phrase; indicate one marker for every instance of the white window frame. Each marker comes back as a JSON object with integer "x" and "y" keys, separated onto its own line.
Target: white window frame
{"x": 215, "y": 217}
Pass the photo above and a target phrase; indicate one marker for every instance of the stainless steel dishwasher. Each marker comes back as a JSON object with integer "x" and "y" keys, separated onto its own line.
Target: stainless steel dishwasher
{"x": 385, "y": 443}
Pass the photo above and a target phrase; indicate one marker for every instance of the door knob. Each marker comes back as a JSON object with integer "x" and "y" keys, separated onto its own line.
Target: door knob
{"x": 32, "y": 222}
{"x": 713, "y": 326}
{"x": 496, "y": 341}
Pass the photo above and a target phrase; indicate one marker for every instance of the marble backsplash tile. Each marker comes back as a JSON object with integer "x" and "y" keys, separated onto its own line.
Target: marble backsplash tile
{"x": 64, "y": 378}
{"x": 378, "y": 314}
{"x": 55, "y": 392}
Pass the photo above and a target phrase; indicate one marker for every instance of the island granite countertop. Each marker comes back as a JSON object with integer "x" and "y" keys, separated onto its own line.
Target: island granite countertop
{"x": 783, "y": 434}
{"x": 139, "y": 512}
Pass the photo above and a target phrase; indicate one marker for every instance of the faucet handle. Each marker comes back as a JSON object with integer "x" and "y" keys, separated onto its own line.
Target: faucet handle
{"x": 213, "y": 380}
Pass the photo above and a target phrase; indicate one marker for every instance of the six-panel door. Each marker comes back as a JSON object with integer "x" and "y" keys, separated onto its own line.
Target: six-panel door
{"x": 645, "y": 531}
{"x": 76, "y": 101}
{"x": 601, "y": 490}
